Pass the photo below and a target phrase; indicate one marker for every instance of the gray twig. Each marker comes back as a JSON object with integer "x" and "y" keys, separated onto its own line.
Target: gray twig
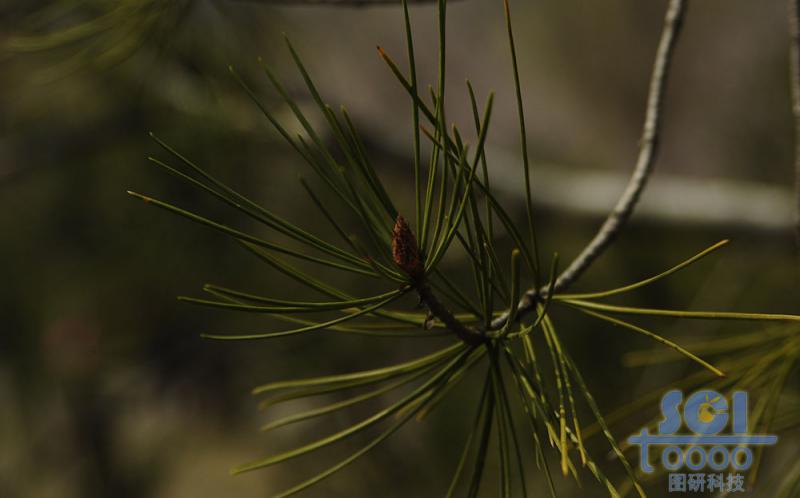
{"x": 648, "y": 149}
{"x": 794, "y": 75}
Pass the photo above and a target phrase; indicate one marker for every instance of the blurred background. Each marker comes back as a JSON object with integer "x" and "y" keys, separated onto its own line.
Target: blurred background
{"x": 106, "y": 388}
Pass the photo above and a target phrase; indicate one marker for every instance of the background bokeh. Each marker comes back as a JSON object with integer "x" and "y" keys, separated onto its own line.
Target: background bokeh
{"x": 106, "y": 388}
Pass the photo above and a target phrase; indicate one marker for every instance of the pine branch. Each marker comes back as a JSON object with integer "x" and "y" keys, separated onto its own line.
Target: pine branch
{"x": 408, "y": 257}
{"x": 647, "y": 153}
{"x": 648, "y": 150}
{"x": 450, "y": 215}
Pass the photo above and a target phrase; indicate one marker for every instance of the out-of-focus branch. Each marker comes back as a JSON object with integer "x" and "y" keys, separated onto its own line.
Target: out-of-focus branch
{"x": 673, "y": 199}
{"x": 647, "y": 151}
{"x": 794, "y": 73}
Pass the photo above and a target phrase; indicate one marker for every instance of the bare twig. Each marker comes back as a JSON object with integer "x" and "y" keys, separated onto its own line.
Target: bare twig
{"x": 647, "y": 150}
{"x": 794, "y": 74}
{"x": 647, "y": 153}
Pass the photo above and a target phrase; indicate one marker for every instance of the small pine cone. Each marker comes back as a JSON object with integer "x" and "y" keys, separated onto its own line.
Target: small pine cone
{"x": 405, "y": 251}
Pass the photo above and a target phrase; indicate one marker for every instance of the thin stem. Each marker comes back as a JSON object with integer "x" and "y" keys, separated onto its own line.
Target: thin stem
{"x": 467, "y": 334}
{"x": 648, "y": 150}
{"x": 412, "y": 65}
{"x": 408, "y": 258}
{"x": 524, "y": 142}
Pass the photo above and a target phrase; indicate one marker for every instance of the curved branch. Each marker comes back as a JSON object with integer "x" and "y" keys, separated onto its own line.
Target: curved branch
{"x": 648, "y": 149}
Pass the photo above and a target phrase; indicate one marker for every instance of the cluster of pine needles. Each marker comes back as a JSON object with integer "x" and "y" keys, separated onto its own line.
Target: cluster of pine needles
{"x": 759, "y": 362}
{"x": 491, "y": 326}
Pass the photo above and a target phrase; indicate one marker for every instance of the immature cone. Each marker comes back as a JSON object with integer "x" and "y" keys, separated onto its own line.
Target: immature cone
{"x": 405, "y": 251}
